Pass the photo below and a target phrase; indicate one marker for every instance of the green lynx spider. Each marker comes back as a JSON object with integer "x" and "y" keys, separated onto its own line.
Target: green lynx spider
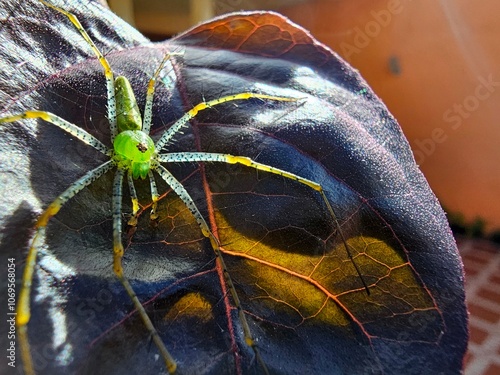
{"x": 135, "y": 154}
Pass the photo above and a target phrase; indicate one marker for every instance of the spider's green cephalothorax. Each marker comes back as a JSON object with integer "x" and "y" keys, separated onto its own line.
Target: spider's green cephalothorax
{"x": 134, "y": 151}
{"x": 133, "y": 148}
{"x": 128, "y": 116}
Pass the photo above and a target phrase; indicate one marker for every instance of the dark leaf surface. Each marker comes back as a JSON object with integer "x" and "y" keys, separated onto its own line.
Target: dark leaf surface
{"x": 305, "y": 303}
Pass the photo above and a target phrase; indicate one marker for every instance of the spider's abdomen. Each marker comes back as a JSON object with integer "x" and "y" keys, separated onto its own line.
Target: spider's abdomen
{"x": 128, "y": 116}
{"x": 134, "y": 151}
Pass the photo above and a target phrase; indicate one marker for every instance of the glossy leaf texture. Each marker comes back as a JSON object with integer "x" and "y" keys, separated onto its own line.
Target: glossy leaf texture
{"x": 305, "y": 303}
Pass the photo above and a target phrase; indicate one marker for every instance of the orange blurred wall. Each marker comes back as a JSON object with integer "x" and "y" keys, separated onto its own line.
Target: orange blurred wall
{"x": 436, "y": 65}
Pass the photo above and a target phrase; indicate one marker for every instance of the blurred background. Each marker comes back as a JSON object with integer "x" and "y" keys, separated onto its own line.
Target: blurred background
{"x": 436, "y": 65}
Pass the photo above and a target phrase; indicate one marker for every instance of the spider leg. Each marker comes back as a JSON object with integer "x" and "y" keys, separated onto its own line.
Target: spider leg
{"x": 135, "y": 202}
{"x": 154, "y": 195}
{"x": 118, "y": 252}
{"x": 231, "y": 159}
{"x": 70, "y": 128}
{"x": 108, "y": 73}
{"x": 188, "y": 201}
{"x": 23, "y": 307}
{"x": 133, "y": 197}
{"x": 167, "y": 136}
{"x": 148, "y": 107}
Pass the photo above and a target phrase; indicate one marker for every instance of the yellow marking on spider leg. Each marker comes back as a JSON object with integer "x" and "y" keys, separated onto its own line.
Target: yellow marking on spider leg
{"x": 117, "y": 222}
{"x": 170, "y": 133}
{"x": 29, "y": 114}
{"x": 50, "y": 211}
{"x": 263, "y": 167}
{"x": 148, "y": 107}
{"x": 23, "y": 308}
{"x": 135, "y": 209}
{"x": 154, "y": 206}
{"x": 135, "y": 202}
{"x": 151, "y": 85}
{"x": 15, "y": 117}
{"x": 117, "y": 260}
{"x": 242, "y": 96}
{"x": 107, "y": 69}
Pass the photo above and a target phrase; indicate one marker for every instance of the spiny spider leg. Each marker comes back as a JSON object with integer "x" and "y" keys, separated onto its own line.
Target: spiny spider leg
{"x": 135, "y": 202}
{"x": 154, "y": 195}
{"x": 118, "y": 252}
{"x": 170, "y": 132}
{"x": 148, "y": 107}
{"x": 231, "y": 159}
{"x": 72, "y": 129}
{"x": 108, "y": 73}
{"x": 23, "y": 307}
{"x": 182, "y": 193}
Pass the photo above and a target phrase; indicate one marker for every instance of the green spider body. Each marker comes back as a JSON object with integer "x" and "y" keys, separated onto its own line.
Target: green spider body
{"x": 128, "y": 116}
{"x": 134, "y": 151}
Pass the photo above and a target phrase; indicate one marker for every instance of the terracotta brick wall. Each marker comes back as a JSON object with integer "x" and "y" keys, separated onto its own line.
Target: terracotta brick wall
{"x": 482, "y": 274}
